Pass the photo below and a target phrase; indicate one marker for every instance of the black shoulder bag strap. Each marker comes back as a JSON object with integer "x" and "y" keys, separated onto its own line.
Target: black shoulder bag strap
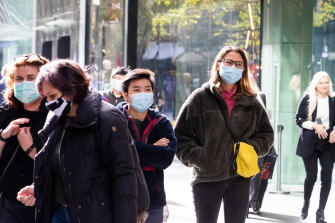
{"x": 226, "y": 120}
{"x": 9, "y": 162}
{"x": 3, "y": 117}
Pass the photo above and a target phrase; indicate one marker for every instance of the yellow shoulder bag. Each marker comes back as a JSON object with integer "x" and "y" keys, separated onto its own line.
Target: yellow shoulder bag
{"x": 245, "y": 160}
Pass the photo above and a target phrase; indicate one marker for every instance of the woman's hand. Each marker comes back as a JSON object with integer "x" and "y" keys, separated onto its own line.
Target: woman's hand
{"x": 162, "y": 142}
{"x": 13, "y": 128}
{"x": 24, "y": 137}
{"x": 332, "y": 137}
{"x": 26, "y": 196}
{"x": 320, "y": 130}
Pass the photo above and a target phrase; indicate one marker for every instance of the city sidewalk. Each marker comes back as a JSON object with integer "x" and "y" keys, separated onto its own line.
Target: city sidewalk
{"x": 276, "y": 207}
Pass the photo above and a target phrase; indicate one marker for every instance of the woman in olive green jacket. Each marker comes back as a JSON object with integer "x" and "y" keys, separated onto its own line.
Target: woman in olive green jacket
{"x": 205, "y": 143}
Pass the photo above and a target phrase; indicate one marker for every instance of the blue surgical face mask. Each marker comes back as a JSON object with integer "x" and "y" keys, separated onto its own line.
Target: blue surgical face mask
{"x": 25, "y": 91}
{"x": 142, "y": 101}
{"x": 117, "y": 85}
{"x": 231, "y": 74}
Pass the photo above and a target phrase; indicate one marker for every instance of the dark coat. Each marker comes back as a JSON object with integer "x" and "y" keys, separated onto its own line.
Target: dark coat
{"x": 20, "y": 172}
{"x": 205, "y": 143}
{"x": 308, "y": 138}
{"x": 110, "y": 97}
{"x": 95, "y": 163}
{"x": 153, "y": 159}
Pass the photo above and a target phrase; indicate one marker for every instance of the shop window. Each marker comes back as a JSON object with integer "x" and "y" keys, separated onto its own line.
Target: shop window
{"x": 178, "y": 40}
{"x": 47, "y": 49}
{"x": 63, "y": 49}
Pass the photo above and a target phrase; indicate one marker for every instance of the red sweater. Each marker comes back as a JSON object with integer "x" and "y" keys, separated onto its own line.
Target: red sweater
{"x": 226, "y": 94}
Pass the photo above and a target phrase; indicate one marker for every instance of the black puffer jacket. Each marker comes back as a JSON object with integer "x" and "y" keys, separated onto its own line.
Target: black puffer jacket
{"x": 95, "y": 163}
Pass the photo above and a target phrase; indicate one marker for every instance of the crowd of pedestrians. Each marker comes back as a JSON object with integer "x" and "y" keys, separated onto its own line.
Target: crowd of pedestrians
{"x": 69, "y": 153}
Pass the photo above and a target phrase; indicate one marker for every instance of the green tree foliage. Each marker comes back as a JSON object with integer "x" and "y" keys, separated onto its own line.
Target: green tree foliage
{"x": 324, "y": 12}
{"x": 215, "y": 21}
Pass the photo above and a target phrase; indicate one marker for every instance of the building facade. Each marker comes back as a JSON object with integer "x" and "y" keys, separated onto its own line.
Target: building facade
{"x": 287, "y": 41}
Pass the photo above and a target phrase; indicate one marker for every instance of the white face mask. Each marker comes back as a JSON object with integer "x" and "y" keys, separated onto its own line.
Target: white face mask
{"x": 59, "y": 106}
{"x": 117, "y": 85}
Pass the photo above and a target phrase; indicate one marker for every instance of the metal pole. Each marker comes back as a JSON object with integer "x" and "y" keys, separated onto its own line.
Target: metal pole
{"x": 280, "y": 129}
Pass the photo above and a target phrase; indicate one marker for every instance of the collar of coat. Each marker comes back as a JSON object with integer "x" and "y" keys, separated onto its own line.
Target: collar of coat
{"x": 152, "y": 113}
{"x": 244, "y": 100}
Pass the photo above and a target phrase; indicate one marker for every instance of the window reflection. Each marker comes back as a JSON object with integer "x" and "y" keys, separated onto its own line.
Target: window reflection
{"x": 16, "y": 20}
{"x": 106, "y": 40}
{"x": 323, "y": 58}
{"x": 57, "y": 29}
{"x": 182, "y": 37}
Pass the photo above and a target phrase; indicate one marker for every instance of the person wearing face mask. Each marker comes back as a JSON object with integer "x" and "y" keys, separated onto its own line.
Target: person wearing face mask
{"x": 153, "y": 135}
{"x": 205, "y": 143}
{"x": 22, "y": 115}
{"x": 86, "y": 170}
{"x": 114, "y": 95}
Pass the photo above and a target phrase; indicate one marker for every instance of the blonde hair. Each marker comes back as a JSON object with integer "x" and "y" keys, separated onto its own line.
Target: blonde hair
{"x": 311, "y": 91}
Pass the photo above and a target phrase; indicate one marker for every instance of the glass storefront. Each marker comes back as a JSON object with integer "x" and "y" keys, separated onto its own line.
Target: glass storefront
{"x": 16, "y": 21}
{"x": 286, "y": 71}
{"x": 324, "y": 37}
{"x": 178, "y": 40}
{"x": 58, "y": 29}
{"x": 298, "y": 41}
{"x": 105, "y": 40}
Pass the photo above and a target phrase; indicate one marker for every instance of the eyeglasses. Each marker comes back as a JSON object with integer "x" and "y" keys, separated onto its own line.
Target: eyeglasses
{"x": 229, "y": 63}
{"x": 29, "y": 58}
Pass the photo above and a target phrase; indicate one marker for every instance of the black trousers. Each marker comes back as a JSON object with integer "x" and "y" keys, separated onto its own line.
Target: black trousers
{"x": 234, "y": 193}
{"x": 15, "y": 212}
{"x": 311, "y": 167}
{"x": 255, "y": 183}
{"x": 262, "y": 189}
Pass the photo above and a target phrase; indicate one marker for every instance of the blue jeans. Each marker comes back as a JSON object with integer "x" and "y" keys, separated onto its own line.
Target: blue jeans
{"x": 61, "y": 215}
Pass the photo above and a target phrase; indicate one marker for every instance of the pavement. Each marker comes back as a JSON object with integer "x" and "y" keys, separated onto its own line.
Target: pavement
{"x": 277, "y": 207}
